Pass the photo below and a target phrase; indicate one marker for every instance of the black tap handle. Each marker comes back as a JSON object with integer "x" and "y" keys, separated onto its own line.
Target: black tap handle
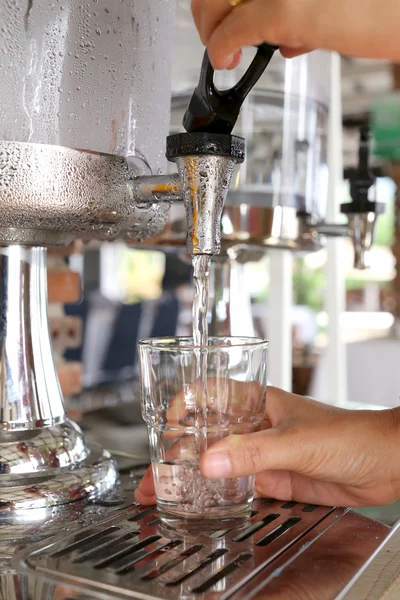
{"x": 214, "y": 111}
{"x": 364, "y": 153}
{"x": 362, "y": 180}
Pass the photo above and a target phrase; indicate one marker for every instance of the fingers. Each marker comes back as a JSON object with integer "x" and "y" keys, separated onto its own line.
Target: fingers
{"x": 236, "y": 58}
{"x": 243, "y": 26}
{"x": 257, "y": 21}
{"x": 332, "y": 446}
{"x": 242, "y": 455}
{"x": 303, "y": 438}
{"x": 143, "y": 499}
{"x": 208, "y": 14}
{"x": 293, "y": 52}
{"x": 298, "y": 24}
{"x": 184, "y": 449}
{"x": 145, "y": 493}
{"x": 227, "y": 400}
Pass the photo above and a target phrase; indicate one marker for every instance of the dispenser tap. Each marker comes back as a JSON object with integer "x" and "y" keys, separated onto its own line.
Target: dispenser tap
{"x": 361, "y": 211}
{"x": 205, "y": 164}
{"x": 207, "y": 153}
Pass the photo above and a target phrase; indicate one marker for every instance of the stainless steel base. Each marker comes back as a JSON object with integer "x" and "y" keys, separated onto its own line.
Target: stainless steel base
{"x": 113, "y": 549}
{"x": 44, "y": 458}
{"x": 53, "y": 484}
{"x": 30, "y": 452}
{"x": 133, "y": 555}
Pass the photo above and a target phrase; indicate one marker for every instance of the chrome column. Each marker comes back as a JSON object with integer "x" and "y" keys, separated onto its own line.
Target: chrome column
{"x": 30, "y": 394}
{"x": 44, "y": 458}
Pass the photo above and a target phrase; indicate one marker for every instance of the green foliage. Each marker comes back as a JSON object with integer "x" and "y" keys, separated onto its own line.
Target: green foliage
{"x": 308, "y": 285}
{"x": 384, "y": 235}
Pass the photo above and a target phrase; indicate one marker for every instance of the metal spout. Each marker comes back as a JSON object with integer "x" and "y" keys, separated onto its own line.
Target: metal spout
{"x": 205, "y": 164}
{"x": 205, "y": 181}
{"x": 362, "y": 228}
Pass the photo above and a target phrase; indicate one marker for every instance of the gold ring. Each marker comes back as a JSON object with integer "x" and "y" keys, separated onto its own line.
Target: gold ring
{"x": 234, "y": 3}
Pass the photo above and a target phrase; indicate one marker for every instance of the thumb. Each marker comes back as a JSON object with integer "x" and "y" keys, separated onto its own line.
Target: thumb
{"x": 273, "y": 449}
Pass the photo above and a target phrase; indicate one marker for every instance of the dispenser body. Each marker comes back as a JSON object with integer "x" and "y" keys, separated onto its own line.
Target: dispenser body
{"x": 84, "y": 107}
{"x": 87, "y": 74}
{"x": 84, "y": 110}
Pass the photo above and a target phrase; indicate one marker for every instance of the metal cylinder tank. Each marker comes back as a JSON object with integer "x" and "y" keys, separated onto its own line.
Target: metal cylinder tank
{"x": 84, "y": 99}
{"x": 87, "y": 74}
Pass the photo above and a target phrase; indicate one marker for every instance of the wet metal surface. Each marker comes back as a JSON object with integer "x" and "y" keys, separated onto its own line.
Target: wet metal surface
{"x": 116, "y": 549}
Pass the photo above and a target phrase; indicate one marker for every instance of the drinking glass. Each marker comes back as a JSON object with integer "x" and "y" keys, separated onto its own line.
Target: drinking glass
{"x": 193, "y": 396}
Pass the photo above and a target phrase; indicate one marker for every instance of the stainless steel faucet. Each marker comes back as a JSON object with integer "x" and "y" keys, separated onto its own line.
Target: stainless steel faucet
{"x": 207, "y": 153}
{"x": 205, "y": 164}
{"x": 362, "y": 212}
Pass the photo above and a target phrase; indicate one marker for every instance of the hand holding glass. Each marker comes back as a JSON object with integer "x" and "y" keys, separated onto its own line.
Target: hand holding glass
{"x": 193, "y": 397}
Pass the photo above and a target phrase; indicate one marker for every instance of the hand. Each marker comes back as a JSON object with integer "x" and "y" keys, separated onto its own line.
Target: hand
{"x": 311, "y": 453}
{"x": 314, "y": 453}
{"x": 353, "y": 27}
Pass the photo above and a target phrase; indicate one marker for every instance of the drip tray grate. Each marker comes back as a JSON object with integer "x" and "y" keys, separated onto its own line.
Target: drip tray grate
{"x": 130, "y": 554}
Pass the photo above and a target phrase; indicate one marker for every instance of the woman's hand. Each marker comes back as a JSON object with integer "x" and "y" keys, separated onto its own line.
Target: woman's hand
{"x": 311, "y": 453}
{"x": 353, "y": 27}
{"x": 314, "y": 453}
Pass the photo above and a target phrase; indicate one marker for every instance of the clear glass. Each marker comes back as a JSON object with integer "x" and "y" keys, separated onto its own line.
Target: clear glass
{"x": 187, "y": 410}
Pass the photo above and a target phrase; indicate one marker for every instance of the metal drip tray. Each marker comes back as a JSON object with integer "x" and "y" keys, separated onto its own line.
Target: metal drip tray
{"x": 288, "y": 550}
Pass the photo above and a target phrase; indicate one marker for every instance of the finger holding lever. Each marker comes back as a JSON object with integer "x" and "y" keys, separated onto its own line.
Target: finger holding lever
{"x": 208, "y": 15}
{"x": 227, "y": 26}
{"x": 352, "y": 27}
